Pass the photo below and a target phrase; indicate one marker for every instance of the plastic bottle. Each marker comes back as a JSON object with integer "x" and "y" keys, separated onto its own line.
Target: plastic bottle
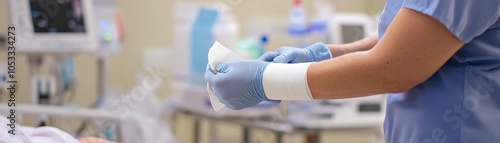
{"x": 297, "y": 27}
{"x": 319, "y": 26}
{"x": 264, "y": 40}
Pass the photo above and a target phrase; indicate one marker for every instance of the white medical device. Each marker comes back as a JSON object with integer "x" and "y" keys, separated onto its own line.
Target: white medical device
{"x": 53, "y": 25}
{"x": 361, "y": 112}
{"x": 107, "y": 26}
{"x": 350, "y": 27}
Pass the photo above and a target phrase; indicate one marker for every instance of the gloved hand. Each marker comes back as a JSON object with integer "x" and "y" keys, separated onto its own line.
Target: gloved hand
{"x": 238, "y": 84}
{"x": 314, "y": 53}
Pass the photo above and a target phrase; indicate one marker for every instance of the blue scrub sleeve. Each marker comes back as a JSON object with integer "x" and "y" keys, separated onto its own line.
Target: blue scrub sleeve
{"x": 466, "y": 19}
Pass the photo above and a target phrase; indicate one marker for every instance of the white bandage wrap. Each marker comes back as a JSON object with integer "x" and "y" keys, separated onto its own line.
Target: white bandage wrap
{"x": 286, "y": 81}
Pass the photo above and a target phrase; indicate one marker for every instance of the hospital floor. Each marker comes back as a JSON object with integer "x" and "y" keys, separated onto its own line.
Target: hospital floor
{"x": 232, "y": 133}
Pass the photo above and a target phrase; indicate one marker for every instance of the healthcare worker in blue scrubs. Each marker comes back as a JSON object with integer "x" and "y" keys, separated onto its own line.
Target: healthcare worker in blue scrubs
{"x": 441, "y": 58}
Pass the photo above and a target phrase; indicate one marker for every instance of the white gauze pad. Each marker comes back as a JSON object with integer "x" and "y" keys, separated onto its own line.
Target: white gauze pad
{"x": 216, "y": 55}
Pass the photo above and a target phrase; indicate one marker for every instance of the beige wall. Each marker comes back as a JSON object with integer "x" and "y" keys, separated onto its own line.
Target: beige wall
{"x": 149, "y": 23}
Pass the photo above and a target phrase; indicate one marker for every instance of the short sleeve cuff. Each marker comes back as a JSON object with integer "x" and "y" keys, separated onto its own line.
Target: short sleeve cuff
{"x": 466, "y": 19}
{"x": 427, "y": 10}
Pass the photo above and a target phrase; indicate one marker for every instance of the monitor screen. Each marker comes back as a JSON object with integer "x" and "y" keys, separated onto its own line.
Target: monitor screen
{"x": 60, "y": 16}
{"x": 352, "y": 33}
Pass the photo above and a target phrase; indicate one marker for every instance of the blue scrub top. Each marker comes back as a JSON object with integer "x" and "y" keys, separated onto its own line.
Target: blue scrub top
{"x": 460, "y": 103}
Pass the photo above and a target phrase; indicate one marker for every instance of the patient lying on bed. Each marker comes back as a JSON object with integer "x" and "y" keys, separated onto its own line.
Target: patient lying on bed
{"x": 24, "y": 134}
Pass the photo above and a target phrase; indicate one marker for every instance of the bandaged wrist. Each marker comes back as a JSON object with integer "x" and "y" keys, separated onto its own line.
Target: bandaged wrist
{"x": 286, "y": 81}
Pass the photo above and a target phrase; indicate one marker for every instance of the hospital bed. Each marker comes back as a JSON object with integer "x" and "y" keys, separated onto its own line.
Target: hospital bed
{"x": 124, "y": 128}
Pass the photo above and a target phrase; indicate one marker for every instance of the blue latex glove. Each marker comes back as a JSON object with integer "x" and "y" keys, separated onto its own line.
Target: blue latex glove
{"x": 314, "y": 53}
{"x": 238, "y": 84}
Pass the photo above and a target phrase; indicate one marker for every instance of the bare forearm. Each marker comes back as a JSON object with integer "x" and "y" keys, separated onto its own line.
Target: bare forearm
{"x": 351, "y": 75}
{"x": 361, "y": 45}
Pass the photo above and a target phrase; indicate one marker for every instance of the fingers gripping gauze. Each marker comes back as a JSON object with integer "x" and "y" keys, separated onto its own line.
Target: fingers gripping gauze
{"x": 280, "y": 81}
{"x": 219, "y": 54}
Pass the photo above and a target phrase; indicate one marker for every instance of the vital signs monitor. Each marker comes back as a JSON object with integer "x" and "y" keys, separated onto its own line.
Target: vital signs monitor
{"x": 53, "y": 25}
